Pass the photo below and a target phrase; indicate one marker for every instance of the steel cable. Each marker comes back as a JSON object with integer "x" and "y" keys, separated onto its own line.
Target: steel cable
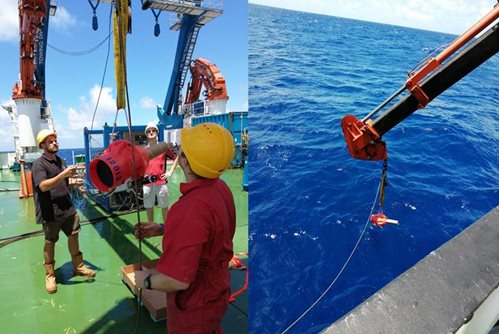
{"x": 341, "y": 270}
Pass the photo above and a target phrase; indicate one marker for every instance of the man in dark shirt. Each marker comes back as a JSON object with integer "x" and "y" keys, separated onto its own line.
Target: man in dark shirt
{"x": 54, "y": 208}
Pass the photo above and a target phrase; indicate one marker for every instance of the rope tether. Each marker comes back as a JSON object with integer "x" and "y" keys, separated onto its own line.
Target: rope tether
{"x": 342, "y": 268}
{"x": 236, "y": 264}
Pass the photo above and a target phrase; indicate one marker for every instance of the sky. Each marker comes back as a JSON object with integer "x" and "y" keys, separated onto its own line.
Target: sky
{"x": 448, "y": 16}
{"x": 73, "y": 82}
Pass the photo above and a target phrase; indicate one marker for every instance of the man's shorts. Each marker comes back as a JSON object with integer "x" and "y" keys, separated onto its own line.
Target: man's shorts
{"x": 69, "y": 226}
{"x": 159, "y": 191}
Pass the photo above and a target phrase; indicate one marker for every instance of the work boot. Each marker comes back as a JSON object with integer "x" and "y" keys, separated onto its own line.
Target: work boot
{"x": 79, "y": 269}
{"x": 50, "y": 284}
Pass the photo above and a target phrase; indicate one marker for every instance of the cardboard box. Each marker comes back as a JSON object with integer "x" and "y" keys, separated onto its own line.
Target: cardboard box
{"x": 154, "y": 301}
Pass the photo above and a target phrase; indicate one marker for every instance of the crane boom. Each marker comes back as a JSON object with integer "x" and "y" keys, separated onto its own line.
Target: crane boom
{"x": 204, "y": 73}
{"x": 33, "y": 20}
{"x": 363, "y": 137}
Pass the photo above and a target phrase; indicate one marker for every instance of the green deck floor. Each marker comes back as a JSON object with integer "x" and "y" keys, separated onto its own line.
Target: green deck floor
{"x": 104, "y": 305}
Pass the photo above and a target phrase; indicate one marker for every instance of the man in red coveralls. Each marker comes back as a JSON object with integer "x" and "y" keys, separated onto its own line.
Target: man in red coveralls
{"x": 197, "y": 238}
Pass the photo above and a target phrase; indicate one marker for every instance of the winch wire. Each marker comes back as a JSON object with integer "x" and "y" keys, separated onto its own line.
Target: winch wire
{"x": 342, "y": 268}
{"x": 128, "y": 116}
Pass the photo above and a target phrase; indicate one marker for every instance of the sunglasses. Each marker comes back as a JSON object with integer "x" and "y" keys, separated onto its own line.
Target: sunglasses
{"x": 151, "y": 131}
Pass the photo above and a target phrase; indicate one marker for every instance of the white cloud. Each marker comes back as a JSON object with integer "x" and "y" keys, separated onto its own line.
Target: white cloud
{"x": 78, "y": 118}
{"x": 9, "y": 21}
{"x": 69, "y": 121}
{"x": 62, "y": 19}
{"x": 148, "y": 103}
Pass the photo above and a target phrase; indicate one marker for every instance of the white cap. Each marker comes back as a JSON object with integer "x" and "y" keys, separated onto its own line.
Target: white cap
{"x": 151, "y": 125}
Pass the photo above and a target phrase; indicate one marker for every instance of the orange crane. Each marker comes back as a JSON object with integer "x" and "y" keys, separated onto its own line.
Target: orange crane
{"x": 204, "y": 73}
{"x": 425, "y": 83}
{"x": 32, "y": 22}
{"x": 363, "y": 137}
{"x": 32, "y": 110}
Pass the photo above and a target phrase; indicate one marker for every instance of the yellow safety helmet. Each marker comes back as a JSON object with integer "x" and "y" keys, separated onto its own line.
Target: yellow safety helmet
{"x": 43, "y": 134}
{"x": 209, "y": 148}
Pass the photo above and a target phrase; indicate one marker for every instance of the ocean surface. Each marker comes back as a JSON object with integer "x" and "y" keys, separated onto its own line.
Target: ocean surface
{"x": 68, "y": 153}
{"x": 309, "y": 200}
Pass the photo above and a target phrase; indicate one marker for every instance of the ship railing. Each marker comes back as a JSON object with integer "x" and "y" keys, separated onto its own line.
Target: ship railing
{"x": 198, "y": 108}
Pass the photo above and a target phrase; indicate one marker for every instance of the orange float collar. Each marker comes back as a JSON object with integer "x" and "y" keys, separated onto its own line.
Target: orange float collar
{"x": 380, "y": 219}
{"x": 120, "y": 161}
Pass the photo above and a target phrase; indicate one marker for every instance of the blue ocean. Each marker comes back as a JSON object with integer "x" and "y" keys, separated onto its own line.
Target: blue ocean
{"x": 68, "y": 154}
{"x": 309, "y": 200}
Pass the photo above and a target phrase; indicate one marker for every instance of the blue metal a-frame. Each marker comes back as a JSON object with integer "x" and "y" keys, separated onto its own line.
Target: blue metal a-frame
{"x": 192, "y": 16}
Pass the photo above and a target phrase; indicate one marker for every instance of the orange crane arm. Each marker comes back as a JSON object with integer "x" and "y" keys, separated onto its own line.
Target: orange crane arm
{"x": 363, "y": 137}
{"x": 204, "y": 73}
{"x": 31, "y": 17}
{"x": 415, "y": 77}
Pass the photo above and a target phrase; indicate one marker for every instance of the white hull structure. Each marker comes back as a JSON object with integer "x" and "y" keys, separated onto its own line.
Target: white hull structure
{"x": 28, "y": 119}
{"x": 484, "y": 317}
{"x": 216, "y": 106}
{"x": 29, "y": 123}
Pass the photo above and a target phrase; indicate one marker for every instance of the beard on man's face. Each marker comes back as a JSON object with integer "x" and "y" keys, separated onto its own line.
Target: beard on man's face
{"x": 53, "y": 148}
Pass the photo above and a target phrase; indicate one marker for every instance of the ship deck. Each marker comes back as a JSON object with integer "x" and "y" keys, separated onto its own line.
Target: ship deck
{"x": 102, "y": 305}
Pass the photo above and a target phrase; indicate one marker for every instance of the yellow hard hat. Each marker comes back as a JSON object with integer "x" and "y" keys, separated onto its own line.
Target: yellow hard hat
{"x": 209, "y": 148}
{"x": 43, "y": 134}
